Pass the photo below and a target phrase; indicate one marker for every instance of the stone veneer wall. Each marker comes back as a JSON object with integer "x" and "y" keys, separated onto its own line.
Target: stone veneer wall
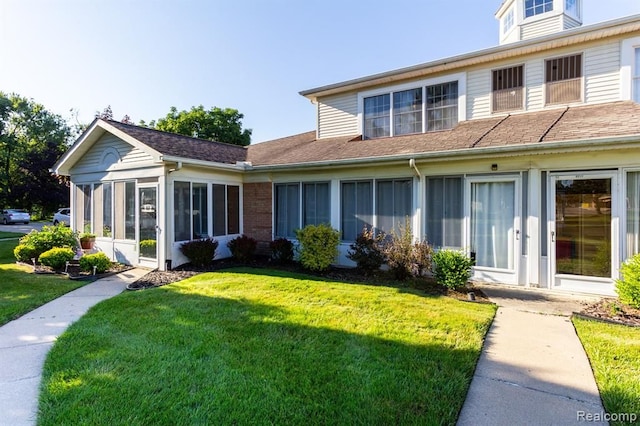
{"x": 257, "y": 214}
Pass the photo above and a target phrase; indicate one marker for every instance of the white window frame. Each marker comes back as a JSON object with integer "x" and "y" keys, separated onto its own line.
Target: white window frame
{"x": 576, "y": 11}
{"x": 628, "y": 68}
{"x": 461, "y": 78}
{"x": 524, "y": 9}
{"x": 508, "y": 21}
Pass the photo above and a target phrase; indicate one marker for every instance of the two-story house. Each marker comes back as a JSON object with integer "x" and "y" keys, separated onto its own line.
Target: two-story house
{"x": 525, "y": 155}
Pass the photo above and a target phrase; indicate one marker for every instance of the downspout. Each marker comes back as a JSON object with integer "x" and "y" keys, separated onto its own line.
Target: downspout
{"x": 417, "y": 225}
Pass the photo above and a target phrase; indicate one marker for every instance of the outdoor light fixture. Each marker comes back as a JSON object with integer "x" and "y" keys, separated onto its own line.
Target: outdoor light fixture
{"x": 494, "y": 167}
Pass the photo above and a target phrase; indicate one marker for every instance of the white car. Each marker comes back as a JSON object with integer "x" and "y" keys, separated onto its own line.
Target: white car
{"x": 14, "y": 216}
{"x": 62, "y": 217}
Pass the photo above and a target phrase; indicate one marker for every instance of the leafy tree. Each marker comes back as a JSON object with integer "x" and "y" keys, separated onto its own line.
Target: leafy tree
{"x": 31, "y": 140}
{"x": 215, "y": 124}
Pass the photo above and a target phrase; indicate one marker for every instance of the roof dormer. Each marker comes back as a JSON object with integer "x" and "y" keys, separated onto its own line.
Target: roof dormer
{"x": 526, "y": 19}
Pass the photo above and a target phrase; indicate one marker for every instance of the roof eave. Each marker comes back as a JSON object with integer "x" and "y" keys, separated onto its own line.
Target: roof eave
{"x": 240, "y": 166}
{"x": 553, "y": 41}
{"x": 537, "y": 147}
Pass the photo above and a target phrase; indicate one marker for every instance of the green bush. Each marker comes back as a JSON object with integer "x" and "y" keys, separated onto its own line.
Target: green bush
{"x": 451, "y": 268}
{"x": 148, "y": 248}
{"x": 318, "y": 246}
{"x": 367, "y": 251}
{"x": 243, "y": 248}
{"x": 628, "y": 287}
{"x": 57, "y": 257}
{"x": 25, "y": 252}
{"x": 200, "y": 252}
{"x": 99, "y": 260}
{"x": 422, "y": 254}
{"x": 48, "y": 238}
{"x": 281, "y": 250}
{"x": 399, "y": 251}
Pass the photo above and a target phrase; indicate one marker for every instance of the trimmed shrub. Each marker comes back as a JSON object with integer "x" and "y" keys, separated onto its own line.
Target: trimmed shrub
{"x": 367, "y": 251}
{"x": 318, "y": 246}
{"x": 399, "y": 251}
{"x": 99, "y": 260}
{"x": 25, "y": 252}
{"x": 281, "y": 250}
{"x": 628, "y": 287}
{"x": 422, "y": 254}
{"x": 48, "y": 238}
{"x": 451, "y": 268}
{"x": 57, "y": 257}
{"x": 148, "y": 248}
{"x": 200, "y": 252}
{"x": 243, "y": 248}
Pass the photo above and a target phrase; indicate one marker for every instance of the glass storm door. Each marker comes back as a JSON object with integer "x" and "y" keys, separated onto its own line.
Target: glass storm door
{"x": 147, "y": 223}
{"x": 582, "y": 235}
{"x": 494, "y": 230}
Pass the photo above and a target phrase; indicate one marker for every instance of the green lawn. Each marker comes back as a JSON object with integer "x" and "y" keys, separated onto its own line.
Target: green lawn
{"x": 251, "y": 346}
{"x": 614, "y": 353}
{"x": 22, "y": 291}
{"x": 4, "y": 234}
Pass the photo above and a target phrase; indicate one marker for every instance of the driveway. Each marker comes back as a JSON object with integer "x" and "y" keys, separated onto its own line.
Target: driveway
{"x": 25, "y": 229}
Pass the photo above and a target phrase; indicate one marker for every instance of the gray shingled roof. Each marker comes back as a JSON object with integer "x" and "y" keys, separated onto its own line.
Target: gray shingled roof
{"x": 610, "y": 120}
{"x": 183, "y": 146}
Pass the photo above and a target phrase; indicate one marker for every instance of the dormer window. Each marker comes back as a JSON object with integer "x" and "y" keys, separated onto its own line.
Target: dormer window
{"x": 377, "y": 116}
{"x": 572, "y": 8}
{"x": 537, "y": 7}
{"x": 508, "y": 21}
{"x": 411, "y": 108}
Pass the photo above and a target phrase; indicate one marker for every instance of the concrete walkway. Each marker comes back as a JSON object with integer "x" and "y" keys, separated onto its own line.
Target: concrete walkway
{"x": 24, "y": 344}
{"x": 533, "y": 369}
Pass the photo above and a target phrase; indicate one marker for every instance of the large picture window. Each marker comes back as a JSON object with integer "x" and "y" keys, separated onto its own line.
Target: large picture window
{"x": 316, "y": 206}
{"x": 444, "y": 210}
{"x": 393, "y": 204}
{"x": 287, "y": 209}
{"x": 442, "y": 106}
{"x": 182, "y": 211}
{"x": 200, "y": 210}
{"x": 357, "y": 208}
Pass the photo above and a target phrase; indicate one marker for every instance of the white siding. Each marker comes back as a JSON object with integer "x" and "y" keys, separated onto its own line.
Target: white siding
{"x": 541, "y": 27}
{"x": 338, "y": 116}
{"x": 602, "y": 73}
{"x": 478, "y": 94}
{"x": 94, "y": 159}
{"x": 570, "y": 22}
{"x": 534, "y": 79}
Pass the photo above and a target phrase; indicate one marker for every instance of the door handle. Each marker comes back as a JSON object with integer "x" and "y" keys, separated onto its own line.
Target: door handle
{"x": 553, "y": 236}
{"x": 517, "y": 234}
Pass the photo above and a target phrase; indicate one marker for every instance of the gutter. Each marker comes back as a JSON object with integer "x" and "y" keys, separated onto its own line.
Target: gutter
{"x": 238, "y": 167}
{"x": 575, "y": 144}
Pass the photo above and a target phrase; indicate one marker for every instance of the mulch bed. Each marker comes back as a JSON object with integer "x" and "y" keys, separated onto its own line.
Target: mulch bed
{"x": 611, "y": 310}
{"x": 74, "y": 272}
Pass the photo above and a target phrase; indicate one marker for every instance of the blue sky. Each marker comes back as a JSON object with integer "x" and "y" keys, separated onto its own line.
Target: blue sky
{"x": 144, "y": 56}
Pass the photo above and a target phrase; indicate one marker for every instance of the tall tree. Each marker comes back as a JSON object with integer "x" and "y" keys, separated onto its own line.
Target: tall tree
{"x": 31, "y": 139}
{"x": 215, "y": 124}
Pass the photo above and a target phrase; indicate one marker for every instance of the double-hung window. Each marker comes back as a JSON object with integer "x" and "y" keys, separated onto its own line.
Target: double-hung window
{"x": 563, "y": 79}
{"x": 537, "y": 7}
{"x": 407, "y": 112}
{"x": 442, "y": 106}
{"x": 225, "y": 207}
{"x": 507, "y": 89}
{"x": 508, "y": 21}
{"x": 315, "y": 207}
{"x": 377, "y": 121}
